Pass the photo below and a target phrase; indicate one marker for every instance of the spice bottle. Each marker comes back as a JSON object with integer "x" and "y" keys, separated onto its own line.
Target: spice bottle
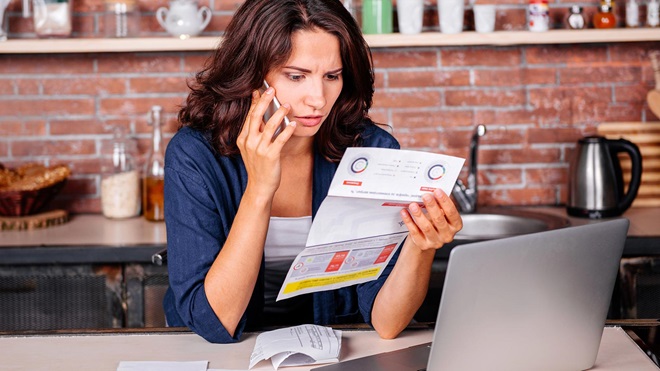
{"x": 652, "y": 13}
{"x": 538, "y": 15}
{"x": 632, "y": 13}
{"x": 120, "y": 178}
{"x": 122, "y": 18}
{"x": 575, "y": 19}
{"x": 377, "y": 16}
{"x": 152, "y": 189}
{"x": 604, "y": 18}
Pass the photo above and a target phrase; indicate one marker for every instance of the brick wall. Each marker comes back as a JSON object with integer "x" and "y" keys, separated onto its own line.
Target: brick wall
{"x": 535, "y": 100}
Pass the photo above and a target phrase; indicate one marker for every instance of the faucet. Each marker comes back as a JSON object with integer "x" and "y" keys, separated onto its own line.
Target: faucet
{"x": 466, "y": 196}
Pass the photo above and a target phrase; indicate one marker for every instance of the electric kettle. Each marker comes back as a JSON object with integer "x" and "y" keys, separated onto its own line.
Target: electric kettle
{"x": 596, "y": 188}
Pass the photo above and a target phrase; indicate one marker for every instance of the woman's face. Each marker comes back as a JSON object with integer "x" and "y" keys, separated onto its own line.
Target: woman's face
{"x": 310, "y": 80}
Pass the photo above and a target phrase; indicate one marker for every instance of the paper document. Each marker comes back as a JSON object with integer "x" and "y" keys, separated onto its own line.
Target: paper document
{"x": 298, "y": 345}
{"x": 358, "y": 228}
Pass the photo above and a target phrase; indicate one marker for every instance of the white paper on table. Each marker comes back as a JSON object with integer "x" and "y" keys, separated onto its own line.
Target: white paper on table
{"x": 359, "y": 219}
{"x": 162, "y": 366}
{"x": 297, "y": 345}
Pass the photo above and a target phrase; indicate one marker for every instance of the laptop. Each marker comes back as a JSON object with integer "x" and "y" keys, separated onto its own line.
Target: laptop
{"x": 531, "y": 302}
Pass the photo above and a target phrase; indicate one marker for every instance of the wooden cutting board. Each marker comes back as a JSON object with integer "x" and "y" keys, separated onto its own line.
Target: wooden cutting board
{"x": 646, "y": 135}
{"x": 41, "y": 220}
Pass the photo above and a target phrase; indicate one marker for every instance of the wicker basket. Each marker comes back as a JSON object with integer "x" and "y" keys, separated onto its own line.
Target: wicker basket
{"x": 22, "y": 203}
{"x": 30, "y": 188}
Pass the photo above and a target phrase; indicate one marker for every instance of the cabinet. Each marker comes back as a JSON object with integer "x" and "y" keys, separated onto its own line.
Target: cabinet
{"x": 81, "y": 296}
{"x": 90, "y": 273}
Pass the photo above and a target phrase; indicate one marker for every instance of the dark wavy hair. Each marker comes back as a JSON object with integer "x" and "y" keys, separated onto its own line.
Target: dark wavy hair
{"x": 258, "y": 40}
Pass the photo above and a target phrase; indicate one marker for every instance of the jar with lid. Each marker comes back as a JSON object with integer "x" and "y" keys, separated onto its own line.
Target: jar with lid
{"x": 604, "y": 18}
{"x": 153, "y": 198}
{"x": 120, "y": 178}
{"x": 538, "y": 15}
{"x": 52, "y": 18}
{"x": 122, "y": 18}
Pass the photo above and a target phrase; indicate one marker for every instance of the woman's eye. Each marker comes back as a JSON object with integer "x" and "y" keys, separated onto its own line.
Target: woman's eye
{"x": 295, "y": 77}
{"x": 332, "y": 77}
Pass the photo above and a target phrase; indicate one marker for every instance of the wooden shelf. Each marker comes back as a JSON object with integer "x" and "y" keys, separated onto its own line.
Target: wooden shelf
{"x": 499, "y": 38}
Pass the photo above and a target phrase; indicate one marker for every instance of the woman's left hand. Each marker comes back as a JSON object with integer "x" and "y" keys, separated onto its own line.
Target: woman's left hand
{"x": 436, "y": 227}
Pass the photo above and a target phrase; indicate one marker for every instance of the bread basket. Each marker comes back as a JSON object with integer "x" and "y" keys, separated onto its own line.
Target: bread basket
{"x": 27, "y": 189}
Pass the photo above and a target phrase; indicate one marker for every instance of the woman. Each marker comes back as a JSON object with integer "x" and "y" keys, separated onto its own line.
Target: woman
{"x": 239, "y": 203}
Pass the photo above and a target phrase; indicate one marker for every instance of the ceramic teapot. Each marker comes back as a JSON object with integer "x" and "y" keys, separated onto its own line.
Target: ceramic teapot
{"x": 184, "y": 18}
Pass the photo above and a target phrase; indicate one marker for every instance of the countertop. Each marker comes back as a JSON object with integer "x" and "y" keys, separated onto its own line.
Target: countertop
{"x": 617, "y": 350}
{"x": 93, "y": 238}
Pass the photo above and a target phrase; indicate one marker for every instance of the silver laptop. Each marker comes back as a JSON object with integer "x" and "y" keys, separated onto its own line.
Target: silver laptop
{"x": 531, "y": 302}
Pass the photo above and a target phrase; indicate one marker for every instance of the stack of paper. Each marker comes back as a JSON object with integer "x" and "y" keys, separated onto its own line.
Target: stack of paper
{"x": 298, "y": 345}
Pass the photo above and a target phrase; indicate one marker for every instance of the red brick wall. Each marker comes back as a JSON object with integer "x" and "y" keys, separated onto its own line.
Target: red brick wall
{"x": 536, "y": 101}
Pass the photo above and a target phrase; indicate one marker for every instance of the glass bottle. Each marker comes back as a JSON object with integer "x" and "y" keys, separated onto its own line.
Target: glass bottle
{"x": 120, "y": 178}
{"x": 122, "y": 18}
{"x": 632, "y": 13}
{"x": 377, "y": 16}
{"x": 576, "y": 19}
{"x": 604, "y": 18}
{"x": 152, "y": 189}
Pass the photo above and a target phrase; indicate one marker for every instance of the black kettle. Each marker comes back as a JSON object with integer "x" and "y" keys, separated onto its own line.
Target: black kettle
{"x": 596, "y": 188}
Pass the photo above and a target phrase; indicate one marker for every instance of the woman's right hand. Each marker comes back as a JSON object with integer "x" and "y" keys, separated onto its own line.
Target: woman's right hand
{"x": 260, "y": 152}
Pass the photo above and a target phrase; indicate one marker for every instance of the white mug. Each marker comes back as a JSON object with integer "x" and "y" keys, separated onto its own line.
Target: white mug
{"x": 410, "y": 14}
{"x": 484, "y": 18}
{"x": 451, "y": 15}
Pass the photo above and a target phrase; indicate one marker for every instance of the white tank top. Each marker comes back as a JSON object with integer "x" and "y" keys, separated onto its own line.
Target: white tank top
{"x": 286, "y": 238}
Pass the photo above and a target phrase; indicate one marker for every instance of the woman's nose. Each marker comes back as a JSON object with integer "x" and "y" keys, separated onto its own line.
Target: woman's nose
{"x": 315, "y": 97}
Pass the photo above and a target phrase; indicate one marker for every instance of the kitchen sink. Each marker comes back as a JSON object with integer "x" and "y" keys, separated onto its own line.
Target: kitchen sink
{"x": 494, "y": 223}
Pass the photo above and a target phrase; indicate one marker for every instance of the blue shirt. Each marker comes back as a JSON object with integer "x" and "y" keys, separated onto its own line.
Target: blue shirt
{"x": 202, "y": 193}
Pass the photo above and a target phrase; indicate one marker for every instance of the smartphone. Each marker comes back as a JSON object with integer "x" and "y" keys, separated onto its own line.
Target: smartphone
{"x": 275, "y": 105}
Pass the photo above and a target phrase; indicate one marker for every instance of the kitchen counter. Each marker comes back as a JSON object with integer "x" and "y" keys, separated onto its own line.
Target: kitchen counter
{"x": 92, "y": 238}
{"x": 86, "y": 238}
{"x": 104, "y": 351}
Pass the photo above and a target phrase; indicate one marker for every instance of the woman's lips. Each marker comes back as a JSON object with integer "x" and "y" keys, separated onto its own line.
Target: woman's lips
{"x": 309, "y": 121}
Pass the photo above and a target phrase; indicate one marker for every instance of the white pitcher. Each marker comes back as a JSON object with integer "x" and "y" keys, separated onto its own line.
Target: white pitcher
{"x": 184, "y": 18}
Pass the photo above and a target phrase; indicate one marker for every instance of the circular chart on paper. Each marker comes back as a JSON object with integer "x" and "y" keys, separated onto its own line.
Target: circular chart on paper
{"x": 436, "y": 172}
{"x": 359, "y": 165}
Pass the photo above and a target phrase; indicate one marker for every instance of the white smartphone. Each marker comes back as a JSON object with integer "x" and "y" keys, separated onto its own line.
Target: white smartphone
{"x": 275, "y": 106}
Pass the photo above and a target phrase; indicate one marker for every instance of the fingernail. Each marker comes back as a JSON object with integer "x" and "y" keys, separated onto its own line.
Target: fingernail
{"x": 287, "y": 105}
{"x": 269, "y": 91}
{"x": 427, "y": 197}
{"x": 414, "y": 207}
{"x": 292, "y": 123}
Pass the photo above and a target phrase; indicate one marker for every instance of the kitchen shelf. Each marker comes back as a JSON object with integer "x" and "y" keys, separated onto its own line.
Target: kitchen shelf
{"x": 499, "y": 38}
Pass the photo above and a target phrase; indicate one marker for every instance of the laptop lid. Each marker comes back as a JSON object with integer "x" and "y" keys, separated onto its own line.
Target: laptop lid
{"x": 532, "y": 302}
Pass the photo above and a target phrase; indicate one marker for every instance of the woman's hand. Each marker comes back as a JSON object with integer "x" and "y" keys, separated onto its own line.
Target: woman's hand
{"x": 436, "y": 227}
{"x": 260, "y": 152}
